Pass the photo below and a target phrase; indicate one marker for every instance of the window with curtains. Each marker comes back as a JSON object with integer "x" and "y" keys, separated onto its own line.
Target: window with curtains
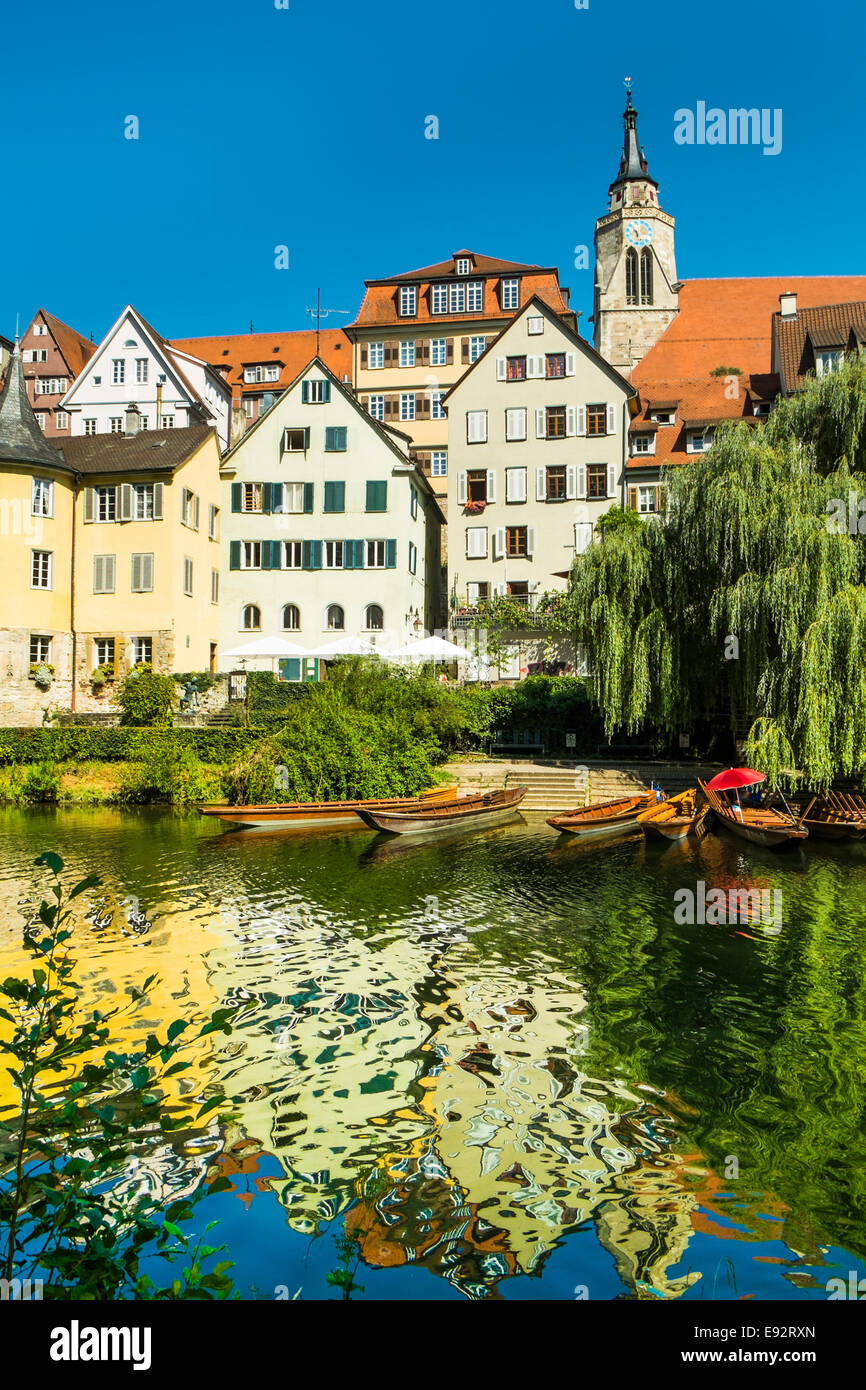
{"x": 515, "y": 369}
{"x": 251, "y": 618}
{"x": 335, "y": 618}
{"x": 291, "y": 617}
{"x": 374, "y": 618}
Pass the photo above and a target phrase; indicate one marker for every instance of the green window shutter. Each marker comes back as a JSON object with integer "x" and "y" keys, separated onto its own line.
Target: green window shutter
{"x": 237, "y": 496}
{"x": 235, "y": 552}
{"x": 335, "y": 497}
{"x": 348, "y": 555}
{"x": 330, "y": 441}
{"x": 390, "y": 555}
{"x": 305, "y": 392}
{"x": 311, "y": 555}
{"x": 266, "y": 498}
{"x": 311, "y": 668}
{"x": 308, "y": 497}
{"x": 276, "y": 554}
{"x": 266, "y": 555}
{"x": 377, "y": 497}
{"x": 360, "y": 554}
{"x": 326, "y": 391}
{"x": 335, "y": 439}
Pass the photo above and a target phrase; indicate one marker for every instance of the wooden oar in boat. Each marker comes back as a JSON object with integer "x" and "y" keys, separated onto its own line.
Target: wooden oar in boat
{"x": 761, "y": 825}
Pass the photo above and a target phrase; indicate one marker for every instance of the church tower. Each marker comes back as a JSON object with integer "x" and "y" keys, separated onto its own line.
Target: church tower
{"x": 635, "y": 271}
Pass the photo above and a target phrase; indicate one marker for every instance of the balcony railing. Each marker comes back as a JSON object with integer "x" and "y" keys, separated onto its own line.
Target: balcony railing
{"x": 472, "y": 612}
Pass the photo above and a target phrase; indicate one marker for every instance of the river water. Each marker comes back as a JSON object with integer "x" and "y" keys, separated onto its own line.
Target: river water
{"x": 506, "y": 1066}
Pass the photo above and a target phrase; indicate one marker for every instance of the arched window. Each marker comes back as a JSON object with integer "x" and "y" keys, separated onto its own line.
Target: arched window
{"x": 631, "y": 276}
{"x": 374, "y": 618}
{"x": 646, "y": 276}
{"x": 291, "y": 617}
{"x": 334, "y": 618}
{"x": 251, "y": 618}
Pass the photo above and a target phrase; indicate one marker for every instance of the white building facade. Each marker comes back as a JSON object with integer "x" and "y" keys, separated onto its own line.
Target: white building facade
{"x": 330, "y": 530}
{"x": 537, "y": 434}
{"x": 133, "y": 365}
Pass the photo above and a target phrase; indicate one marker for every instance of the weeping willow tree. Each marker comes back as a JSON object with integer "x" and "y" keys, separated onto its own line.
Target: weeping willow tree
{"x": 750, "y": 596}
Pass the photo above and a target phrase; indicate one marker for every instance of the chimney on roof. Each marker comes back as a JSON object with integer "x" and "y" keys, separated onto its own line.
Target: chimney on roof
{"x": 132, "y": 423}
{"x": 788, "y": 304}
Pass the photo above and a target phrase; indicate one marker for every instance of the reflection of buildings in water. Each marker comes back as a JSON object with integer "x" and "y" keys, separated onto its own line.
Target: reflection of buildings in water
{"x": 114, "y": 956}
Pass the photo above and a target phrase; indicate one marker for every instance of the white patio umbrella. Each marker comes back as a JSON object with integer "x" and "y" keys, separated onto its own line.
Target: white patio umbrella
{"x": 346, "y": 646}
{"x": 430, "y": 649}
{"x": 268, "y": 646}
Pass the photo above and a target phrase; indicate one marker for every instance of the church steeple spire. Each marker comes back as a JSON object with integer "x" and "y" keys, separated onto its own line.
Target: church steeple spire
{"x": 21, "y": 439}
{"x": 632, "y": 164}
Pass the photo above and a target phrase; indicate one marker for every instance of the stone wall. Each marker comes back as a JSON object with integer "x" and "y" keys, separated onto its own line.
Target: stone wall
{"x": 22, "y": 703}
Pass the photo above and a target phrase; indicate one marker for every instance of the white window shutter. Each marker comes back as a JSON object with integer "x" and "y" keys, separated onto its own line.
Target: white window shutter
{"x": 499, "y": 542}
{"x": 125, "y": 502}
{"x": 157, "y": 501}
{"x": 611, "y": 479}
{"x": 98, "y": 569}
{"x": 611, "y": 419}
{"x": 539, "y": 366}
{"x": 461, "y": 488}
{"x": 500, "y": 589}
{"x": 581, "y": 480}
{"x": 195, "y": 519}
{"x": 108, "y": 574}
{"x": 136, "y": 573}
{"x": 581, "y": 419}
{"x": 570, "y": 420}
{"x": 540, "y": 425}
{"x": 500, "y": 368}
{"x": 571, "y": 481}
{"x": 521, "y": 486}
{"x": 148, "y": 572}
{"x": 491, "y": 485}
{"x": 570, "y": 363}
{"x": 88, "y": 503}
{"x": 540, "y": 485}
{"x": 530, "y": 540}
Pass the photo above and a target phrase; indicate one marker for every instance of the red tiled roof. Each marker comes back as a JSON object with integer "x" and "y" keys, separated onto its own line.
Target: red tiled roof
{"x": 825, "y": 325}
{"x": 229, "y": 354}
{"x": 379, "y": 305}
{"x": 722, "y": 323}
{"x": 75, "y": 349}
{"x": 728, "y": 323}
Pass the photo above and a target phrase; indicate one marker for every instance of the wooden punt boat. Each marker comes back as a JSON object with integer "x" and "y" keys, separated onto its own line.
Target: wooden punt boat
{"x": 307, "y": 815}
{"x": 833, "y": 815}
{"x": 760, "y": 825}
{"x": 612, "y": 817}
{"x": 467, "y": 812}
{"x": 675, "y": 817}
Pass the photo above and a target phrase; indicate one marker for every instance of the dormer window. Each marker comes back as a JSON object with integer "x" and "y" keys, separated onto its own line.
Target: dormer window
{"x": 509, "y": 294}
{"x": 699, "y": 441}
{"x": 464, "y": 265}
{"x": 827, "y": 362}
{"x": 263, "y": 371}
{"x": 643, "y": 444}
{"x": 408, "y": 301}
{"x": 662, "y": 417}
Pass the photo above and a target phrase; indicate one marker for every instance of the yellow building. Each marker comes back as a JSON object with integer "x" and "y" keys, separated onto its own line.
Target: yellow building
{"x": 111, "y": 551}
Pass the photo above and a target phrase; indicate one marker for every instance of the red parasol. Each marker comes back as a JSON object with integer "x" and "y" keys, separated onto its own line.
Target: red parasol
{"x": 735, "y": 777}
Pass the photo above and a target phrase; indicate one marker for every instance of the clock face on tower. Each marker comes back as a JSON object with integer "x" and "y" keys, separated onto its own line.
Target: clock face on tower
{"x": 638, "y": 233}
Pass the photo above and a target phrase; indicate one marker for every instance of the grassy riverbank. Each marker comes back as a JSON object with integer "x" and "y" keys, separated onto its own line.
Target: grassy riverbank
{"x": 368, "y": 731}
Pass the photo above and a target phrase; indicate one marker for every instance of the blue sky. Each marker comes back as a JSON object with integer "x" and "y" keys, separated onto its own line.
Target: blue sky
{"x": 304, "y": 127}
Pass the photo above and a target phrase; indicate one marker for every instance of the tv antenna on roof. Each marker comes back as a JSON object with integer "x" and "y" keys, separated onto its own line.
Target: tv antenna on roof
{"x": 320, "y": 312}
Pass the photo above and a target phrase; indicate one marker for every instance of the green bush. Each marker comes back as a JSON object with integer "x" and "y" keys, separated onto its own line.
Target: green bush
{"x": 76, "y": 743}
{"x": 42, "y": 782}
{"x": 267, "y": 695}
{"x": 168, "y": 770}
{"x": 146, "y": 698}
{"x": 332, "y": 751}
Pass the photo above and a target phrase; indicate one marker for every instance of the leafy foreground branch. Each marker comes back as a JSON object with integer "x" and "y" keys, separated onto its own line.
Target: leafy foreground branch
{"x": 68, "y": 1217}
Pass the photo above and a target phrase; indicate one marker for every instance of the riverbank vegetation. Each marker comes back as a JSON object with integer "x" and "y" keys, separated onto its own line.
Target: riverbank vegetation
{"x": 370, "y": 730}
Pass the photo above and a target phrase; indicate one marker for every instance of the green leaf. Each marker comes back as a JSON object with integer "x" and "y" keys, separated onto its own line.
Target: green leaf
{"x": 52, "y": 861}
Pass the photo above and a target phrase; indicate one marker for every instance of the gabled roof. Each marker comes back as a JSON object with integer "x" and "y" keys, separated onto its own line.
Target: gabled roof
{"x": 537, "y": 304}
{"x": 385, "y": 432}
{"x": 698, "y": 402}
{"x": 21, "y": 439}
{"x": 149, "y": 450}
{"x": 74, "y": 348}
{"x": 158, "y": 345}
{"x": 795, "y": 338}
{"x": 228, "y": 354}
{"x": 379, "y": 304}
